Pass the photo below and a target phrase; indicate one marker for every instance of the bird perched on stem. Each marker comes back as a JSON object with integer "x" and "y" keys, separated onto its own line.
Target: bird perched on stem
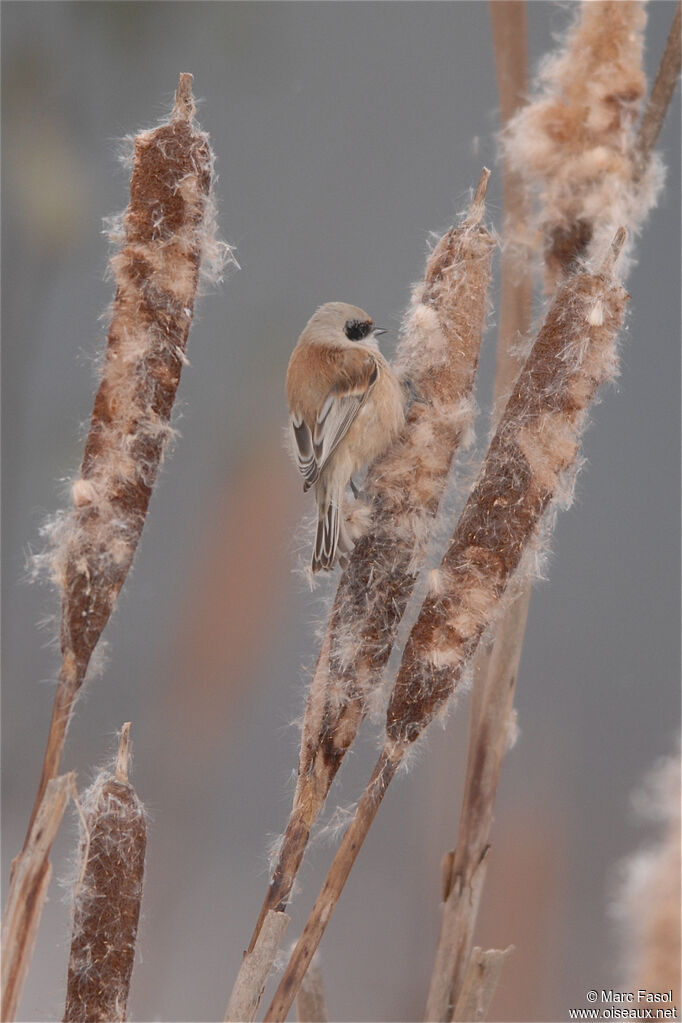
{"x": 347, "y": 406}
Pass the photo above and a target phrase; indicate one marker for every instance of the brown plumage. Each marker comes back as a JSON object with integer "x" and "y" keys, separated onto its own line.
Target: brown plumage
{"x": 346, "y": 406}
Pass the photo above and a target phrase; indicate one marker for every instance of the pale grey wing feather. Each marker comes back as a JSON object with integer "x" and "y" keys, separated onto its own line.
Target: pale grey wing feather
{"x": 334, "y": 419}
{"x": 326, "y": 539}
{"x": 305, "y": 455}
{"x": 333, "y": 423}
{"x": 331, "y": 538}
{"x": 338, "y": 411}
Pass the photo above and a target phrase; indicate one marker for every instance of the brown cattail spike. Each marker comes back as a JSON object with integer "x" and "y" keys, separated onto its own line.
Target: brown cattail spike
{"x": 107, "y": 898}
{"x": 166, "y": 230}
{"x": 157, "y": 274}
{"x": 535, "y": 445}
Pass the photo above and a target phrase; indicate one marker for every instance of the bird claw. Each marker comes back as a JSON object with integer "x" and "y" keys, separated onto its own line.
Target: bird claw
{"x": 413, "y": 394}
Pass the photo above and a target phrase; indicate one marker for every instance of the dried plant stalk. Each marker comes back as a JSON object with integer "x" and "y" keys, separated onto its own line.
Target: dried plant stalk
{"x": 333, "y": 886}
{"x": 480, "y": 984}
{"x": 166, "y": 229}
{"x": 508, "y": 20}
{"x": 255, "y": 968}
{"x": 495, "y": 667}
{"x": 534, "y": 449}
{"x": 661, "y": 94}
{"x": 489, "y": 728}
{"x": 107, "y": 896}
{"x": 438, "y": 352}
{"x": 311, "y": 1005}
{"x": 28, "y": 889}
{"x": 575, "y": 142}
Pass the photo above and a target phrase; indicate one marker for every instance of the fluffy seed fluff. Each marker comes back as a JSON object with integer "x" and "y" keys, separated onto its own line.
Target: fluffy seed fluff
{"x": 647, "y": 905}
{"x": 574, "y": 143}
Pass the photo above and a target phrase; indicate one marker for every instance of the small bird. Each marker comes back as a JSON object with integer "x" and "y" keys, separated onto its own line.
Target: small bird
{"x": 347, "y": 405}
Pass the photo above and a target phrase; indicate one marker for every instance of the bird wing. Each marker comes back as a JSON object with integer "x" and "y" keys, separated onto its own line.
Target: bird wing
{"x": 305, "y": 456}
{"x": 357, "y": 374}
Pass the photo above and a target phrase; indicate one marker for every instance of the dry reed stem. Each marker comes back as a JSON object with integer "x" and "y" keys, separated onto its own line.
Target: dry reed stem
{"x": 333, "y": 885}
{"x": 489, "y": 726}
{"x": 166, "y": 229}
{"x": 27, "y": 892}
{"x": 255, "y": 968}
{"x": 311, "y": 1005}
{"x": 661, "y": 94}
{"x": 480, "y": 984}
{"x": 534, "y": 448}
{"x": 508, "y": 21}
{"x": 439, "y": 353}
{"x": 107, "y": 896}
{"x": 496, "y": 667}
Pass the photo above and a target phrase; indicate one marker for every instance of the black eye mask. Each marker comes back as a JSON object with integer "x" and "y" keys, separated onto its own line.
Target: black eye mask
{"x": 356, "y": 330}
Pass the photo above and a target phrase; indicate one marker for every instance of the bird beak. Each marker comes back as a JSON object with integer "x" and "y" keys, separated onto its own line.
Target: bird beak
{"x": 380, "y": 330}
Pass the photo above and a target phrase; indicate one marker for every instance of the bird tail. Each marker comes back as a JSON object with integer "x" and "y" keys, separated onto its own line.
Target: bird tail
{"x": 331, "y": 538}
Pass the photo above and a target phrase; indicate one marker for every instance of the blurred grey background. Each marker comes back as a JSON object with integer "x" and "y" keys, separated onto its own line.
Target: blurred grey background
{"x": 344, "y": 134}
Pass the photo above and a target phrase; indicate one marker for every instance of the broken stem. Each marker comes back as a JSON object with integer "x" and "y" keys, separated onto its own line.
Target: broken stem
{"x": 346, "y": 855}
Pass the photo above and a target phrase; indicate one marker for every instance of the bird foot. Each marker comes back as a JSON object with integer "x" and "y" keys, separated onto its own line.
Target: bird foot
{"x": 413, "y": 394}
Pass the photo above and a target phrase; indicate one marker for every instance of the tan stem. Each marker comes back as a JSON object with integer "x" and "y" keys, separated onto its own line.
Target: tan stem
{"x": 661, "y": 93}
{"x": 508, "y": 21}
{"x": 62, "y": 708}
{"x": 27, "y": 891}
{"x": 488, "y": 738}
{"x": 294, "y": 845}
{"x": 494, "y": 669}
{"x": 123, "y": 755}
{"x": 256, "y": 965}
{"x": 345, "y": 857}
{"x": 480, "y": 984}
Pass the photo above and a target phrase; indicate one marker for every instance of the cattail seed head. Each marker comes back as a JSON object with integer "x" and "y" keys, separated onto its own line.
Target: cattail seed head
{"x": 535, "y": 444}
{"x": 107, "y": 897}
{"x": 574, "y": 143}
{"x": 165, "y": 232}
